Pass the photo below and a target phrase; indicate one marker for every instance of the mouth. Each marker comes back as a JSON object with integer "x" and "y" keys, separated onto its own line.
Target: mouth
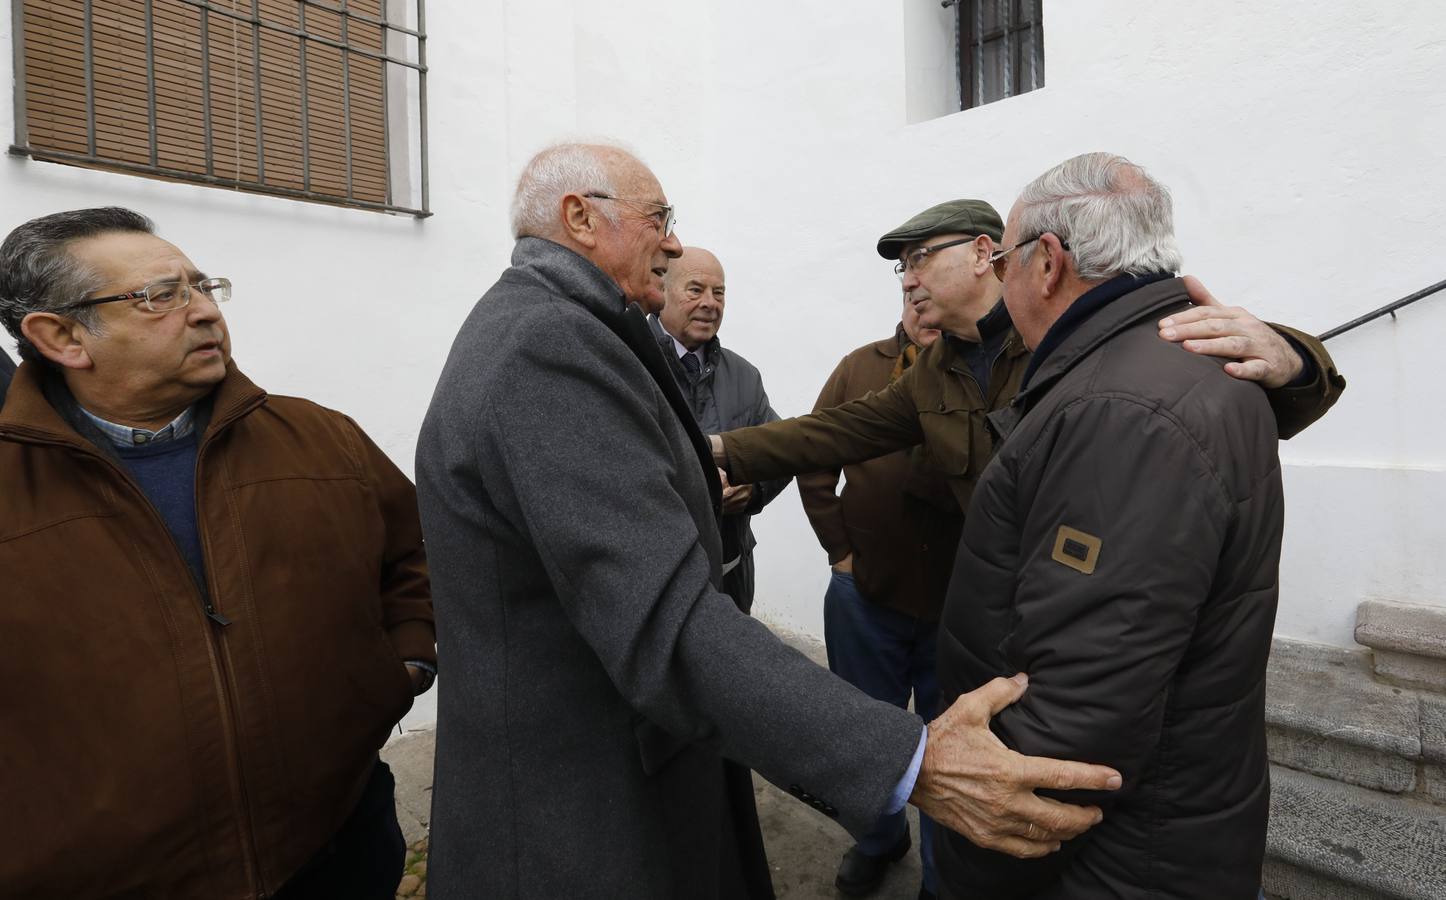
{"x": 208, "y": 347}
{"x": 660, "y": 271}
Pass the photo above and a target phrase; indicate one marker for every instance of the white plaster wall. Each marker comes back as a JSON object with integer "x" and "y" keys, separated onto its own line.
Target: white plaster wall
{"x": 1301, "y": 139}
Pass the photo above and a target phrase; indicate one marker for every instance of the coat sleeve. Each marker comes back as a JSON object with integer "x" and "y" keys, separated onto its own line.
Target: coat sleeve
{"x": 578, "y": 441}
{"x": 765, "y": 491}
{"x": 406, "y": 590}
{"x": 1297, "y": 408}
{"x": 873, "y": 425}
{"x": 819, "y": 490}
{"x": 1100, "y": 648}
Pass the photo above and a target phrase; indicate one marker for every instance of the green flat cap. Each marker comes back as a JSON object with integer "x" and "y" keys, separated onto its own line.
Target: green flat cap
{"x": 955, "y": 217}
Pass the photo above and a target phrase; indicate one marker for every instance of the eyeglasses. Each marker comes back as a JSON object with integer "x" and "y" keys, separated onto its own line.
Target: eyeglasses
{"x": 912, "y": 261}
{"x": 664, "y": 218}
{"x": 161, "y": 296}
{"x": 998, "y": 259}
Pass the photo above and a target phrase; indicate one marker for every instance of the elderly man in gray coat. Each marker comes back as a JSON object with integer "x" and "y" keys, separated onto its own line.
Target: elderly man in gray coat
{"x": 597, "y": 683}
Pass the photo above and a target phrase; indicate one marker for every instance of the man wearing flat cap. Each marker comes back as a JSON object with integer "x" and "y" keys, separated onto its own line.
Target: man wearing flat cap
{"x": 947, "y": 258}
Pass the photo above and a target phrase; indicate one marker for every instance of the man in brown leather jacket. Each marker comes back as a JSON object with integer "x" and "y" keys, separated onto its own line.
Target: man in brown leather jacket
{"x": 216, "y": 601}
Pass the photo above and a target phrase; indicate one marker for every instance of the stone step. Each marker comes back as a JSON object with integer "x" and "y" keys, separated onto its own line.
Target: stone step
{"x": 1327, "y": 714}
{"x": 1330, "y": 840}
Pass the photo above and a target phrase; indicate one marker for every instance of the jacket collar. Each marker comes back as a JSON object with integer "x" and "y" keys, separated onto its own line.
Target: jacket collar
{"x": 569, "y": 274}
{"x": 40, "y": 408}
{"x": 1153, "y": 299}
{"x": 996, "y": 322}
{"x": 1084, "y": 307}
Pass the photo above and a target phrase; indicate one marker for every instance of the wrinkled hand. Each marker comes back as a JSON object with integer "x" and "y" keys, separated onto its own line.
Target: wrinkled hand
{"x": 1209, "y": 328}
{"x": 970, "y": 782}
{"x": 736, "y": 497}
{"x": 845, "y": 565}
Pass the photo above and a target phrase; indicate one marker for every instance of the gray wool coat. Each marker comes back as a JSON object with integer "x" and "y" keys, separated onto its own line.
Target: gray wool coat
{"x": 593, "y": 678}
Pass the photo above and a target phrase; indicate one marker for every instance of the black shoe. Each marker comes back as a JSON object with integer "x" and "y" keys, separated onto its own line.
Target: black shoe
{"x": 859, "y": 873}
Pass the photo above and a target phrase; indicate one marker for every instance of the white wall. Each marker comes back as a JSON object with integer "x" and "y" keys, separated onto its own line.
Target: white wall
{"x": 1301, "y": 140}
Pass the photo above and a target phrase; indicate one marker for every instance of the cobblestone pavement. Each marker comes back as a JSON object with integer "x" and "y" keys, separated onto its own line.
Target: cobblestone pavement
{"x": 804, "y": 847}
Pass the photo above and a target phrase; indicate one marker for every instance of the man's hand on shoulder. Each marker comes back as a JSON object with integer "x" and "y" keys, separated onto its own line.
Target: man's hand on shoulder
{"x": 1259, "y": 352}
{"x": 970, "y": 782}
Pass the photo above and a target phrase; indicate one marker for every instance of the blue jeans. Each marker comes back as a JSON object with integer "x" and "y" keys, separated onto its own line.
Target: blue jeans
{"x": 889, "y": 656}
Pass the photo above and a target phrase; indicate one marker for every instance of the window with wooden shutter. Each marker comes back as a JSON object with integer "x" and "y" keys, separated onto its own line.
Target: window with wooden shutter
{"x": 315, "y": 100}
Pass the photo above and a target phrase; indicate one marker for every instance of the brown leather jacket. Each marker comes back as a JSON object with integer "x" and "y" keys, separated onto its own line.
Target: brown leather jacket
{"x": 149, "y": 751}
{"x": 897, "y": 519}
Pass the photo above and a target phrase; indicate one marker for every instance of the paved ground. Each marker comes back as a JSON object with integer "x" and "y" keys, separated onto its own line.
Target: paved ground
{"x": 803, "y": 846}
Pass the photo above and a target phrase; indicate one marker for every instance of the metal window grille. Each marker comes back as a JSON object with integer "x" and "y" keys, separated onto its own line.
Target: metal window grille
{"x": 313, "y": 100}
{"x": 1000, "y": 49}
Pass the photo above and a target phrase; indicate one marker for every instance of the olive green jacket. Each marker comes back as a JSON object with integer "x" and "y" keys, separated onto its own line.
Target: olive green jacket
{"x": 938, "y": 403}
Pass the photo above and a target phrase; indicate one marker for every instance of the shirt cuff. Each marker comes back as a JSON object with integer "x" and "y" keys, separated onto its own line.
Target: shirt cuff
{"x": 1308, "y": 370}
{"x": 911, "y": 775}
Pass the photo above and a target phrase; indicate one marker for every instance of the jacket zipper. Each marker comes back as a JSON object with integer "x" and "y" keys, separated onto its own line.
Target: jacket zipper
{"x": 221, "y": 661}
{"x": 215, "y": 652}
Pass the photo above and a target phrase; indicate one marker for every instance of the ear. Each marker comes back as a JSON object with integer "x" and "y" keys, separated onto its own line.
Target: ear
{"x": 983, "y": 247}
{"x": 58, "y": 339}
{"x": 578, "y": 222}
{"x": 1056, "y": 263}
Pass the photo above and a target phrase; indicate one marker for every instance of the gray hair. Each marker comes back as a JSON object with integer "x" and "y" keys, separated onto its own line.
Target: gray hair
{"x": 39, "y": 274}
{"x": 552, "y": 174}
{"x": 1116, "y": 219}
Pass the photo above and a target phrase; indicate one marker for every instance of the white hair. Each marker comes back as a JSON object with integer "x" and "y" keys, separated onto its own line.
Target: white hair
{"x": 572, "y": 168}
{"x": 1116, "y": 219}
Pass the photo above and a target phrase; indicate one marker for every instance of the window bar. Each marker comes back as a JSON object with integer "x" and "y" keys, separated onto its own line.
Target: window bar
{"x": 89, "y": 40}
{"x": 386, "y": 112}
{"x": 977, "y": 70}
{"x": 421, "y": 35}
{"x": 256, "y": 92}
{"x": 151, "y": 82}
{"x": 1006, "y": 45}
{"x": 1034, "y": 47}
{"x": 206, "y": 91}
{"x": 346, "y": 96}
{"x": 316, "y": 38}
{"x": 17, "y": 46}
{"x": 305, "y": 101}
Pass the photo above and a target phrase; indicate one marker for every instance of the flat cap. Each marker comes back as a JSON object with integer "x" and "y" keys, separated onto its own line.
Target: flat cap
{"x": 954, "y": 217}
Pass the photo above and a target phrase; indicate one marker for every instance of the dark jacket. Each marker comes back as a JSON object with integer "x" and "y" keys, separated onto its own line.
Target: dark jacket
{"x": 569, "y": 503}
{"x": 1122, "y": 548}
{"x": 150, "y": 751}
{"x": 7, "y": 370}
{"x": 938, "y": 403}
{"x": 728, "y": 393}
{"x": 895, "y": 516}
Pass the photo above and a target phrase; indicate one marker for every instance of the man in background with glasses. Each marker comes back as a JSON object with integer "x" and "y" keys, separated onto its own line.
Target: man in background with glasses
{"x": 216, "y": 601}
{"x": 951, "y": 267}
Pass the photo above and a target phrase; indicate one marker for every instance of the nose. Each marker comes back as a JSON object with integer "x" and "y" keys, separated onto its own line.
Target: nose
{"x": 911, "y": 280}
{"x": 202, "y": 309}
{"x": 672, "y": 246}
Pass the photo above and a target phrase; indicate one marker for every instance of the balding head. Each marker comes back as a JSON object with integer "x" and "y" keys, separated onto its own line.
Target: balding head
{"x": 694, "y": 294}
{"x": 602, "y": 203}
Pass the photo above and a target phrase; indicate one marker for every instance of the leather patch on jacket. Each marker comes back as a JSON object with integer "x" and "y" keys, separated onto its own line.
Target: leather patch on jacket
{"x": 1076, "y": 549}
